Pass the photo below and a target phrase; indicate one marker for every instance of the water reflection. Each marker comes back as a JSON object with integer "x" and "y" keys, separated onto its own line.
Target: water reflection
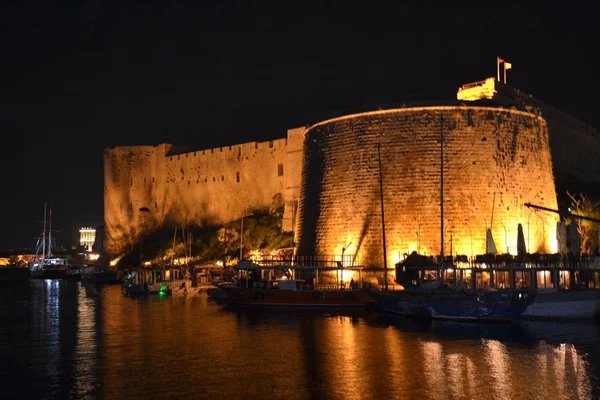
{"x": 68, "y": 340}
{"x": 468, "y": 360}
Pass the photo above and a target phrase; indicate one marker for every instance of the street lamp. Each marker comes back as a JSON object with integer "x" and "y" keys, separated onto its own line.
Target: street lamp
{"x": 242, "y": 235}
{"x": 505, "y": 236}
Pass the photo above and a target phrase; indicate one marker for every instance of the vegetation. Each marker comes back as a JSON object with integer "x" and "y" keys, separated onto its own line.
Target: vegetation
{"x": 262, "y": 233}
{"x": 588, "y": 231}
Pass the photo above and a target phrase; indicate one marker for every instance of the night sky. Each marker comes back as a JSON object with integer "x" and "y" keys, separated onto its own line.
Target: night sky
{"x": 77, "y": 77}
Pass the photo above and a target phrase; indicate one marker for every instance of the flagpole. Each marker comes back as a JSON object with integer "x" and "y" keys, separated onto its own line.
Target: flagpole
{"x": 498, "y": 67}
{"x": 505, "y": 73}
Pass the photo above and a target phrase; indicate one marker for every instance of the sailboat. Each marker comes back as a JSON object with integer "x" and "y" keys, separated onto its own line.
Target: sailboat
{"x": 434, "y": 291}
{"x": 45, "y": 264}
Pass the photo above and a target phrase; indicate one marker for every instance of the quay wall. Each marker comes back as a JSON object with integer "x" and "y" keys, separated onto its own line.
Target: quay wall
{"x": 495, "y": 160}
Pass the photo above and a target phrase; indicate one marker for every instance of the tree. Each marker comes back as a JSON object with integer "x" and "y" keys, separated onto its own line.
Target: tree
{"x": 582, "y": 205}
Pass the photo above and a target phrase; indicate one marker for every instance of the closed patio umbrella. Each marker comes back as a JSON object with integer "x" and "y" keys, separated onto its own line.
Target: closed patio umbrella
{"x": 521, "y": 248}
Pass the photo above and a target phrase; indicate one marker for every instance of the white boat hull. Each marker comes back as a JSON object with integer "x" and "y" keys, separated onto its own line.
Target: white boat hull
{"x": 583, "y": 304}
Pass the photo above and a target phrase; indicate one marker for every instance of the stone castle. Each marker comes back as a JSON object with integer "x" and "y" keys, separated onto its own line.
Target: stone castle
{"x": 502, "y": 149}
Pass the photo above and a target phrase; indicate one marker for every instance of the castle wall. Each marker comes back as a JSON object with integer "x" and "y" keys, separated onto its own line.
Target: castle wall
{"x": 495, "y": 161}
{"x": 145, "y": 187}
{"x": 573, "y": 143}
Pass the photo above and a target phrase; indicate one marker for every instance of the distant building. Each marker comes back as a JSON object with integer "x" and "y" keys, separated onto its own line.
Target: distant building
{"x": 87, "y": 238}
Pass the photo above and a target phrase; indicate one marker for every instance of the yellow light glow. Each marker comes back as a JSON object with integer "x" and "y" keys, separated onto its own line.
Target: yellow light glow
{"x": 115, "y": 261}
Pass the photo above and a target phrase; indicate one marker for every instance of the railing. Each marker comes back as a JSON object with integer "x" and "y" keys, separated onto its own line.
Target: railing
{"x": 312, "y": 261}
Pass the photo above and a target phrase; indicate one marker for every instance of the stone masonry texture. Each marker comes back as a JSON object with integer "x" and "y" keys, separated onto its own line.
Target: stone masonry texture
{"x": 327, "y": 177}
{"x": 495, "y": 160}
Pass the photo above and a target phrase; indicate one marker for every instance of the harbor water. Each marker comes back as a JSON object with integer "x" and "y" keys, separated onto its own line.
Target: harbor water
{"x": 68, "y": 340}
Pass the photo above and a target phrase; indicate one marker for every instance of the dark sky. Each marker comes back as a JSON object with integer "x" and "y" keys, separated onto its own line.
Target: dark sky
{"x": 77, "y": 77}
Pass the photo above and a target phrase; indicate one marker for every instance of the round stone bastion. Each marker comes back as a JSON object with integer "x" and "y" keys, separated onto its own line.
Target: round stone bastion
{"x": 494, "y": 161}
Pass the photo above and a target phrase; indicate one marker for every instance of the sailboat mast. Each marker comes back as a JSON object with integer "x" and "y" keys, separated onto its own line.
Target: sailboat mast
{"x": 44, "y": 234}
{"x": 385, "y": 274}
{"x": 442, "y": 196}
{"x": 50, "y": 233}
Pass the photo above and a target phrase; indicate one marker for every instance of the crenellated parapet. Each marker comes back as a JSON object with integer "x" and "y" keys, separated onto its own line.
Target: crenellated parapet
{"x": 202, "y": 187}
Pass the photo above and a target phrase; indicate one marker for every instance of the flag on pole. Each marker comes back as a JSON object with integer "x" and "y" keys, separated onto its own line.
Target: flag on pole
{"x": 498, "y": 62}
{"x": 507, "y": 65}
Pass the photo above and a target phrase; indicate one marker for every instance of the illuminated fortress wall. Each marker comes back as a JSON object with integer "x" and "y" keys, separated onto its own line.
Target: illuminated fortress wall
{"x": 574, "y": 144}
{"x": 495, "y": 160}
{"x": 199, "y": 187}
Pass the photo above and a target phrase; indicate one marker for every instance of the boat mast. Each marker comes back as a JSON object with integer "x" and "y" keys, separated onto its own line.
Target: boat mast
{"x": 49, "y": 233}
{"x": 385, "y": 275}
{"x": 44, "y": 234}
{"x": 442, "y": 196}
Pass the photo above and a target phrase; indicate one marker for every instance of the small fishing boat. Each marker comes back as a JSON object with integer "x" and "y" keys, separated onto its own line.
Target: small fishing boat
{"x": 294, "y": 286}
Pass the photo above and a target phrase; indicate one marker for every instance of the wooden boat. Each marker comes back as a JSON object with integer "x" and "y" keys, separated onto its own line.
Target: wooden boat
{"x": 563, "y": 292}
{"x": 467, "y": 294}
{"x": 283, "y": 286}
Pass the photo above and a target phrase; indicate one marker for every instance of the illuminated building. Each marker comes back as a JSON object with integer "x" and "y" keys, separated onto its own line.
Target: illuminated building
{"x": 503, "y": 149}
{"x": 87, "y": 238}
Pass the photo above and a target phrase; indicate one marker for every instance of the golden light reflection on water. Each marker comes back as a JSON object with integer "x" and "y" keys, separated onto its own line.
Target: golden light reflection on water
{"x": 111, "y": 346}
{"x": 433, "y": 369}
{"x": 495, "y": 372}
{"x": 498, "y": 364}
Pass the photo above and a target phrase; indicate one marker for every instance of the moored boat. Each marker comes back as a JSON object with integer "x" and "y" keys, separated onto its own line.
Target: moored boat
{"x": 563, "y": 292}
{"x": 465, "y": 294}
{"x": 284, "y": 286}
{"x": 146, "y": 281}
{"x": 47, "y": 265}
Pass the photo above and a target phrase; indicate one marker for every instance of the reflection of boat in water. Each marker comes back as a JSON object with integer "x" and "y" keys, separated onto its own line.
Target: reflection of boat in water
{"x": 579, "y": 333}
{"x": 282, "y": 285}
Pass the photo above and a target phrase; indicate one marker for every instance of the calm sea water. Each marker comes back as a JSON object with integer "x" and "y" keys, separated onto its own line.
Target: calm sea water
{"x": 64, "y": 339}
